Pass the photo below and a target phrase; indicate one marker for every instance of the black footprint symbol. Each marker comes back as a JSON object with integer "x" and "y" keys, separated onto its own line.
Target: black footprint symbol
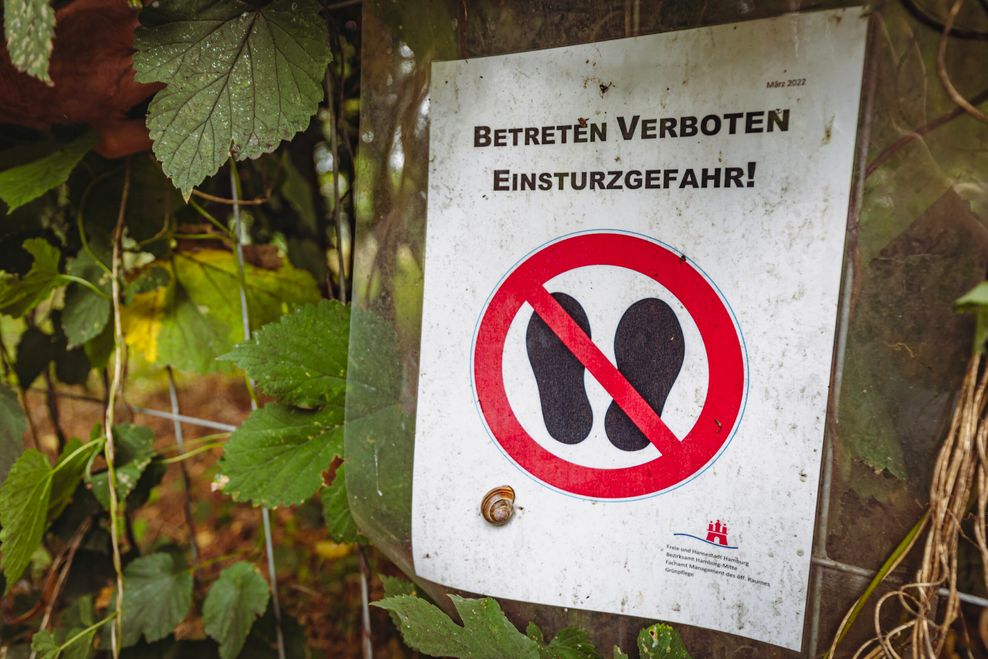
{"x": 559, "y": 374}
{"x": 649, "y": 349}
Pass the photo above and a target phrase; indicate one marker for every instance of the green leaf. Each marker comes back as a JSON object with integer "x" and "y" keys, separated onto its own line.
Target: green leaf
{"x": 486, "y": 633}
{"x": 977, "y": 296}
{"x": 85, "y": 313}
{"x": 379, "y": 430}
{"x": 298, "y": 193}
{"x": 24, "y": 183}
{"x": 618, "y": 654}
{"x": 660, "y": 641}
{"x": 301, "y": 358}
{"x": 147, "y": 281}
{"x": 71, "y": 366}
{"x": 18, "y": 295}
{"x": 99, "y": 350}
{"x": 46, "y": 645}
{"x": 79, "y": 613}
{"x": 29, "y": 26}
{"x": 35, "y": 351}
{"x": 336, "y": 510}
{"x": 276, "y": 458}
{"x": 81, "y": 646}
{"x": 394, "y": 586}
{"x": 976, "y": 300}
{"x": 197, "y": 316}
{"x": 157, "y": 596}
{"x": 68, "y": 473}
{"x": 13, "y": 425}
{"x": 24, "y": 500}
{"x": 133, "y": 449}
{"x": 78, "y": 618}
{"x": 374, "y": 381}
{"x": 235, "y": 601}
{"x": 239, "y": 79}
{"x": 569, "y": 643}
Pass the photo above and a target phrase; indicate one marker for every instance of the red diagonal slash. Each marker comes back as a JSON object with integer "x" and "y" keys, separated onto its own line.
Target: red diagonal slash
{"x": 601, "y": 368}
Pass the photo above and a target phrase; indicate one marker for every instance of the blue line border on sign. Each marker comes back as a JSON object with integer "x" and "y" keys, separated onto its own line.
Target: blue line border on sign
{"x": 727, "y": 305}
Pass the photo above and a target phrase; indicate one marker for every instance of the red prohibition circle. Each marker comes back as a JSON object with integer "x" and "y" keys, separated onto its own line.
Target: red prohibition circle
{"x": 681, "y": 458}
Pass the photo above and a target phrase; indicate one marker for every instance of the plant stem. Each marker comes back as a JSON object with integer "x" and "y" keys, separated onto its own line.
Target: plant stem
{"x": 69, "y": 641}
{"x": 198, "y": 441}
{"x": 209, "y": 217}
{"x": 85, "y": 283}
{"x": 194, "y": 452}
{"x": 68, "y": 459}
{"x": 116, "y": 632}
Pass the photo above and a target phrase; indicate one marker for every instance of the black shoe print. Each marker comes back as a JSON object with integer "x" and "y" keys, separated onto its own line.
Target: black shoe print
{"x": 559, "y": 374}
{"x": 649, "y": 348}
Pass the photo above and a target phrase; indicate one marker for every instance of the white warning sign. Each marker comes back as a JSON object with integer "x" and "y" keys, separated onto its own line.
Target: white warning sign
{"x": 633, "y": 260}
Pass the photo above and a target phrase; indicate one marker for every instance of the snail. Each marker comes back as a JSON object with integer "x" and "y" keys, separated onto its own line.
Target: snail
{"x": 498, "y": 505}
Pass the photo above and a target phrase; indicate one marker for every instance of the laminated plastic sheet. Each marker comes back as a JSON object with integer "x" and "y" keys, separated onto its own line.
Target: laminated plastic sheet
{"x": 915, "y": 242}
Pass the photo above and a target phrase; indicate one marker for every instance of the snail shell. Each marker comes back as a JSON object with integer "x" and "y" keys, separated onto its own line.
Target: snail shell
{"x": 498, "y": 505}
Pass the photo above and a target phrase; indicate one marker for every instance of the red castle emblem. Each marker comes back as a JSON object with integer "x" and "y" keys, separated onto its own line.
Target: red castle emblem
{"x": 717, "y": 533}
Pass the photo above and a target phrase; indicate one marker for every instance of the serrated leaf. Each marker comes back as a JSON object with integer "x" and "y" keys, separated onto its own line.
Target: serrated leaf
{"x": 133, "y": 450}
{"x": 29, "y": 27}
{"x": 45, "y": 644}
{"x": 394, "y": 586}
{"x": 660, "y": 641}
{"x": 569, "y": 643}
{"x": 18, "y": 295}
{"x": 24, "y": 500}
{"x": 300, "y": 359}
{"x": 276, "y": 458}
{"x": 196, "y": 317}
{"x": 24, "y": 183}
{"x": 486, "y": 633}
{"x": 336, "y": 509}
{"x": 379, "y": 429}
{"x": 13, "y": 425}
{"x": 157, "y": 596}
{"x": 374, "y": 382}
{"x": 85, "y": 313}
{"x": 239, "y": 79}
{"x": 235, "y": 601}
